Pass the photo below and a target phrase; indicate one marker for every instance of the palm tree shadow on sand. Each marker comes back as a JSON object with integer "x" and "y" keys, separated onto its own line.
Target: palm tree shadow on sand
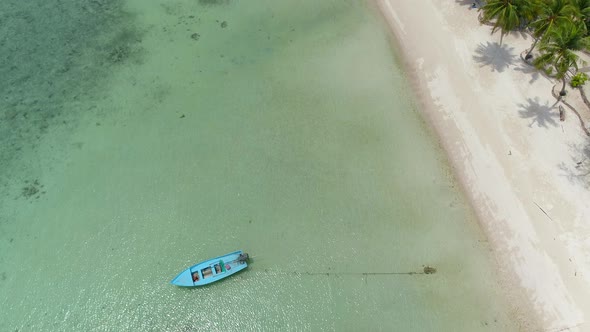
{"x": 542, "y": 115}
{"x": 494, "y": 55}
{"x": 467, "y": 3}
{"x": 530, "y": 70}
{"x": 577, "y": 170}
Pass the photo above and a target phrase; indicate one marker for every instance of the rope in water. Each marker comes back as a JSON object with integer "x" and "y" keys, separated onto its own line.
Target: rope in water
{"x": 427, "y": 270}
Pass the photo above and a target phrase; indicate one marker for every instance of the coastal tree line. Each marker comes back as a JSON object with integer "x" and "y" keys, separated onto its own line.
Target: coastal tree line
{"x": 560, "y": 29}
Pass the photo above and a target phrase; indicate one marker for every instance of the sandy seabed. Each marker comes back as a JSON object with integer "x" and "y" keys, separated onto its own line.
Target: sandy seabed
{"x": 523, "y": 169}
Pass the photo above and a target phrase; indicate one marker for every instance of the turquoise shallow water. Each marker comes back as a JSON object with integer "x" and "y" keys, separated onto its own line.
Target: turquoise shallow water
{"x": 141, "y": 137}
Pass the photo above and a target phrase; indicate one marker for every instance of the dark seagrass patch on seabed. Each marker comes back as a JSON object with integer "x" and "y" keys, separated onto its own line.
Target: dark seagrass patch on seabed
{"x": 32, "y": 189}
{"x": 429, "y": 270}
{"x": 124, "y": 46}
{"x": 54, "y": 65}
{"x": 213, "y": 2}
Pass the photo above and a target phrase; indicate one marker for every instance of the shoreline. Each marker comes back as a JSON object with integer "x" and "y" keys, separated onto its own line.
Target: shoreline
{"x": 497, "y": 121}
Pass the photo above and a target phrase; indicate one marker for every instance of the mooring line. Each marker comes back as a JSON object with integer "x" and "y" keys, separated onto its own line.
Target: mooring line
{"x": 358, "y": 273}
{"x": 427, "y": 270}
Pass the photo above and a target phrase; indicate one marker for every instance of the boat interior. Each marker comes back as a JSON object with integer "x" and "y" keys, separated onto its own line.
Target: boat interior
{"x": 211, "y": 271}
{"x": 207, "y": 272}
{"x": 195, "y": 276}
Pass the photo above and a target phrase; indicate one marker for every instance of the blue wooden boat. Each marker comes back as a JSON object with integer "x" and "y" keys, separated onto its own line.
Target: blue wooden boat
{"x": 212, "y": 270}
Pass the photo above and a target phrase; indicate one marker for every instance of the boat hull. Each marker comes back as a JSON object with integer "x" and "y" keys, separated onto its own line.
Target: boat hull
{"x": 211, "y": 270}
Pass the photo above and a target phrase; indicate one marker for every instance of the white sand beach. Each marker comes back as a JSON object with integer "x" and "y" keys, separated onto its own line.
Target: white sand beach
{"x": 524, "y": 170}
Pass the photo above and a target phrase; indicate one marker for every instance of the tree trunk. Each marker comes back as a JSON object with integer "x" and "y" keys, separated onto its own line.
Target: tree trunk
{"x": 562, "y": 92}
{"x": 529, "y": 55}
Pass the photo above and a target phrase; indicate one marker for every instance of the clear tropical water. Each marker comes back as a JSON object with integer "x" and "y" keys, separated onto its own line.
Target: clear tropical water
{"x": 139, "y": 137}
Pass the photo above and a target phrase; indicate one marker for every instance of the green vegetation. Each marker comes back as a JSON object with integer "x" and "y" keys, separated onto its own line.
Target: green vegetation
{"x": 558, "y": 52}
{"x": 578, "y": 80}
{"x": 506, "y": 15}
{"x": 559, "y": 27}
{"x": 551, "y": 15}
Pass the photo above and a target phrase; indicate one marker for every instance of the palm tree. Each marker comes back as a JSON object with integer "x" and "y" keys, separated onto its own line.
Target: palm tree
{"x": 558, "y": 51}
{"x": 582, "y": 8}
{"x": 508, "y": 14}
{"x": 551, "y": 14}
